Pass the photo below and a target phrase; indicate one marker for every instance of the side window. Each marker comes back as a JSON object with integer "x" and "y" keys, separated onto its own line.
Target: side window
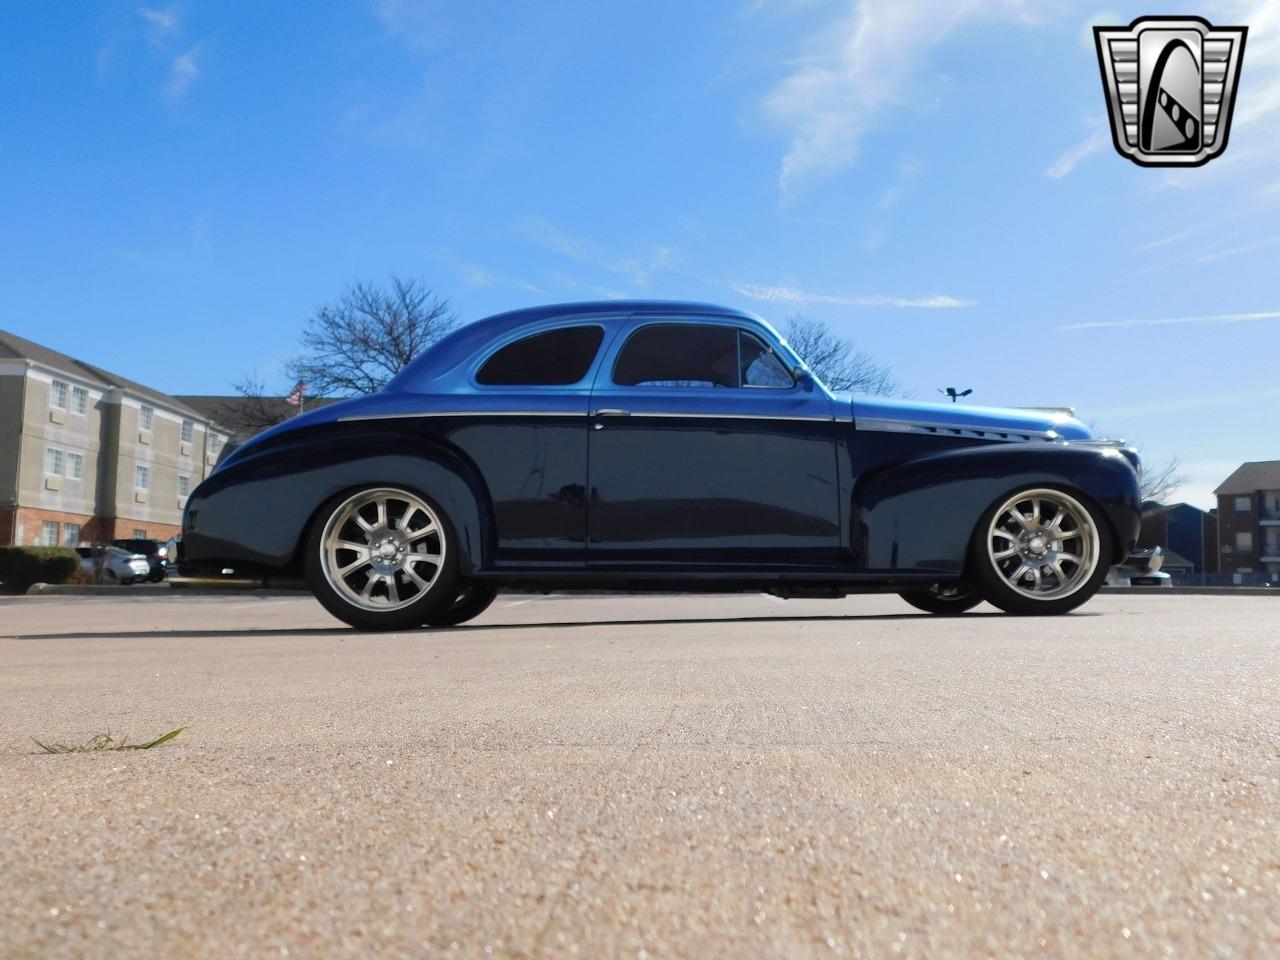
{"x": 554, "y": 358}
{"x": 679, "y": 355}
{"x": 760, "y": 365}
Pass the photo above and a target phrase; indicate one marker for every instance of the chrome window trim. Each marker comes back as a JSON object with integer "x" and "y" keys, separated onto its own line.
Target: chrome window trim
{"x": 579, "y": 413}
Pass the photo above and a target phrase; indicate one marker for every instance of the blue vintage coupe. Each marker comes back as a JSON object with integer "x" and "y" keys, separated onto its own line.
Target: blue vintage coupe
{"x": 657, "y": 446}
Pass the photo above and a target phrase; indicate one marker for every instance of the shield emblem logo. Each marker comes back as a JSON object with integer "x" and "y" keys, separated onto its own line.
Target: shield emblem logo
{"x": 1170, "y": 84}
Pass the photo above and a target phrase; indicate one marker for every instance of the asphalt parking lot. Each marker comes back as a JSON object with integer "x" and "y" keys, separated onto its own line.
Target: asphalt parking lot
{"x": 643, "y": 777}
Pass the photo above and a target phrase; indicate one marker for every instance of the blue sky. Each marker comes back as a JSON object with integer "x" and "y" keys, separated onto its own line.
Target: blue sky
{"x": 182, "y": 184}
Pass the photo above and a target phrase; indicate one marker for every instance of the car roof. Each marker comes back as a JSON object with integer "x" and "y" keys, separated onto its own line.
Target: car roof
{"x": 467, "y": 340}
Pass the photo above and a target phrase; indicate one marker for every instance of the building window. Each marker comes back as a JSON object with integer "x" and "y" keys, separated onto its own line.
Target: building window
{"x": 142, "y": 477}
{"x": 1244, "y": 506}
{"x": 53, "y": 462}
{"x": 146, "y": 418}
{"x": 48, "y": 534}
{"x": 75, "y": 466}
{"x": 1244, "y": 542}
{"x": 184, "y": 485}
{"x": 139, "y": 533}
{"x": 58, "y": 395}
{"x": 70, "y": 534}
{"x": 188, "y": 430}
{"x": 79, "y": 401}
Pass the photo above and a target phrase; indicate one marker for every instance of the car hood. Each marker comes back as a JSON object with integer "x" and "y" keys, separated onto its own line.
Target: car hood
{"x": 873, "y": 413}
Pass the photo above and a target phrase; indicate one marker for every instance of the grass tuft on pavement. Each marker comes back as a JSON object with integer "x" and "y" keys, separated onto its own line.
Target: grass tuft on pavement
{"x": 104, "y": 741}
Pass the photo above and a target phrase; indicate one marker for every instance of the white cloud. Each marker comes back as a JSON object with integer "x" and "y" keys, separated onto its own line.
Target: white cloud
{"x": 1086, "y": 148}
{"x": 1174, "y": 321}
{"x": 1103, "y": 18}
{"x": 161, "y": 24}
{"x": 1223, "y": 254}
{"x": 856, "y": 68}
{"x": 1172, "y": 238}
{"x": 1160, "y": 408}
{"x": 774, "y": 294}
{"x": 636, "y": 270}
{"x": 182, "y": 72}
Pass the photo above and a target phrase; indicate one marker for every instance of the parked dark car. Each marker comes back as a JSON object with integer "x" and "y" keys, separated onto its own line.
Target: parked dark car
{"x": 157, "y": 555}
{"x": 658, "y": 446}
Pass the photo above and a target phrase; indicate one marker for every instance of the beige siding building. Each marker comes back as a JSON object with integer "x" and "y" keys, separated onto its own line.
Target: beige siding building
{"x": 88, "y": 455}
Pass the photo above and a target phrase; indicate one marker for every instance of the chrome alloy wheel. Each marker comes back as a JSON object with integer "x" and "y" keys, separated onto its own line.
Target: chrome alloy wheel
{"x": 382, "y": 549}
{"x": 1043, "y": 544}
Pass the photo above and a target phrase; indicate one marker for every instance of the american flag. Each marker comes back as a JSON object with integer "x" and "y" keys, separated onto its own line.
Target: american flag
{"x": 299, "y": 391}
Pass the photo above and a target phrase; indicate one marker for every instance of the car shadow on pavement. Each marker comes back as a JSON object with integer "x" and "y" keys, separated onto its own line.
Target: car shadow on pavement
{"x": 486, "y": 627}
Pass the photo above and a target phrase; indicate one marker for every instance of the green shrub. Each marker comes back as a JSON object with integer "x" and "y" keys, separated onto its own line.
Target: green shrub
{"x": 20, "y": 567}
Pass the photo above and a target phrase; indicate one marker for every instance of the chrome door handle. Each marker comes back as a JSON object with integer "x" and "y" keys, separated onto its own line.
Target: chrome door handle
{"x": 612, "y": 412}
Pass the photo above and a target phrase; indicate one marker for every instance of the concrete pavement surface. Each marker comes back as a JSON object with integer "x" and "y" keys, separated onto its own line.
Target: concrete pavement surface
{"x": 643, "y": 777}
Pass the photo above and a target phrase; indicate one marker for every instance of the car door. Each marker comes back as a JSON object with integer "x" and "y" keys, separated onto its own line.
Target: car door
{"x": 705, "y": 451}
{"x": 526, "y": 432}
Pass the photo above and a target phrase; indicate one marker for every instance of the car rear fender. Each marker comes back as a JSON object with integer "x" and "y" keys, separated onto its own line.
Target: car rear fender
{"x": 255, "y": 513}
{"x": 921, "y": 514}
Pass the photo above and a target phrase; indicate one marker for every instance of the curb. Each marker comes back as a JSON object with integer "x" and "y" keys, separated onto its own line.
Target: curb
{"x": 1197, "y": 591}
{"x": 157, "y": 590}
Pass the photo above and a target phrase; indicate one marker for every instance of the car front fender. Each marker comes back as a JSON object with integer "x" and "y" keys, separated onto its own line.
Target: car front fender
{"x": 921, "y": 514}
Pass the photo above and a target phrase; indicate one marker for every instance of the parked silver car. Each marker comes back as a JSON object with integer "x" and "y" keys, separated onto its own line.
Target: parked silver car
{"x": 118, "y": 566}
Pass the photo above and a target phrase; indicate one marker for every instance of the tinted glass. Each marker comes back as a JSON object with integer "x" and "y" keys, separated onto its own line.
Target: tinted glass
{"x": 679, "y": 355}
{"x": 760, "y": 367}
{"x": 555, "y": 358}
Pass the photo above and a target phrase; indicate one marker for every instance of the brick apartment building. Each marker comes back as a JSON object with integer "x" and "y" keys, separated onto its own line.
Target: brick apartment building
{"x": 88, "y": 455}
{"x": 1249, "y": 522}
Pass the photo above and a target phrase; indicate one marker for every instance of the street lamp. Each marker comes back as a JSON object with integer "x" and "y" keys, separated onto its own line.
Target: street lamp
{"x": 954, "y": 394}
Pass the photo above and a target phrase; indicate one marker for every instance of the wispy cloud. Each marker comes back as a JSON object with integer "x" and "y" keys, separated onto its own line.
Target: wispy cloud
{"x": 636, "y": 270}
{"x": 182, "y": 71}
{"x": 1086, "y": 148}
{"x": 1174, "y": 321}
{"x": 1245, "y": 398}
{"x": 774, "y": 294}
{"x": 1214, "y": 256}
{"x": 857, "y": 66}
{"x": 1172, "y": 238}
{"x": 161, "y": 23}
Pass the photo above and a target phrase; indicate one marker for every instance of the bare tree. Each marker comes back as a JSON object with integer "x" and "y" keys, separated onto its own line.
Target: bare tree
{"x": 1160, "y": 482}
{"x": 837, "y": 362}
{"x": 255, "y": 411}
{"x": 364, "y": 338}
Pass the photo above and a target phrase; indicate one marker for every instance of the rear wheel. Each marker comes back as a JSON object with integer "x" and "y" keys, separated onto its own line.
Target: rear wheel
{"x": 944, "y": 599}
{"x": 1040, "y": 551}
{"x": 473, "y": 599}
{"x": 382, "y": 559}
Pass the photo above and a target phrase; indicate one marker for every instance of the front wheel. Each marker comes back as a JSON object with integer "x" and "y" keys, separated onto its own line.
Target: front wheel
{"x": 473, "y": 599}
{"x": 383, "y": 558}
{"x": 1042, "y": 550}
{"x": 943, "y": 599}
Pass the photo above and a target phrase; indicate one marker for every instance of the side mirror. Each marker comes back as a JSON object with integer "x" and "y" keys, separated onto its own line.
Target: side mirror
{"x": 803, "y": 378}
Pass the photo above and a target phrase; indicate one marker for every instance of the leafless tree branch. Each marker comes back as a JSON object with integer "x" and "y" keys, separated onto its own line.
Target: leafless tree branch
{"x": 369, "y": 334}
{"x": 1161, "y": 481}
{"x": 838, "y": 362}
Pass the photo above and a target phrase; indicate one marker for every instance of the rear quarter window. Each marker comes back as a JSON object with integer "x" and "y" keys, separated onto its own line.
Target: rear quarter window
{"x": 553, "y": 358}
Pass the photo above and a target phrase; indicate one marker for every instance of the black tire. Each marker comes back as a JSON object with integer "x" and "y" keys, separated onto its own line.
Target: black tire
{"x": 440, "y": 593}
{"x": 994, "y": 586}
{"x": 944, "y": 600}
{"x": 473, "y": 599}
